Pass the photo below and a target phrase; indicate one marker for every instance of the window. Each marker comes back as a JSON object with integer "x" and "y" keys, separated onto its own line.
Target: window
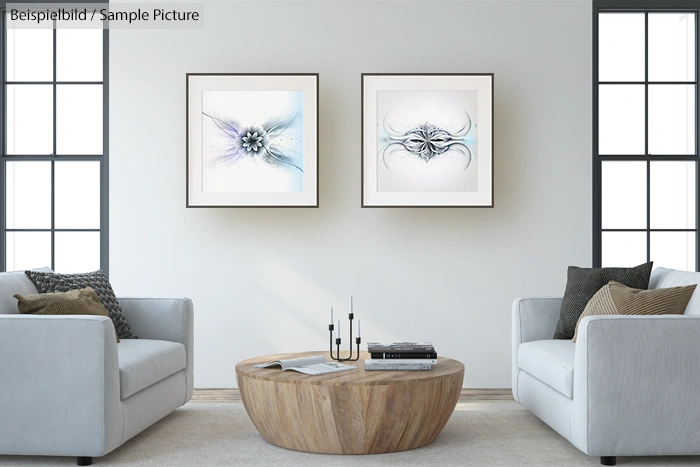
{"x": 645, "y": 142}
{"x": 53, "y": 138}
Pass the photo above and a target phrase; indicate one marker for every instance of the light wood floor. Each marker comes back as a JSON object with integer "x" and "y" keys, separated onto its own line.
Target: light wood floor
{"x": 468, "y": 395}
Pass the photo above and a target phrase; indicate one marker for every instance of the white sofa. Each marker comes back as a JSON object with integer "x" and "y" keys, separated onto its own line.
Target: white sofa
{"x": 629, "y": 386}
{"x": 68, "y": 389}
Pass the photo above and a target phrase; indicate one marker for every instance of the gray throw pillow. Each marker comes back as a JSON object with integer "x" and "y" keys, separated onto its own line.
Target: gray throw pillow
{"x": 583, "y": 283}
{"x": 47, "y": 282}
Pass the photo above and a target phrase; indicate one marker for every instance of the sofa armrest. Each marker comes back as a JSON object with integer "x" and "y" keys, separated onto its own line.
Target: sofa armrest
{"x": 636, "y": 383}
{"x": 59, "y": 385}
{"x": 167, "y": 319}
{"x": 533, "y": 319}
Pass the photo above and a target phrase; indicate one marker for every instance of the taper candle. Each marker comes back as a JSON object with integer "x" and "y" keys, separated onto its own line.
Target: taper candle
{"x": 350, "y": 303}
{"x": 331, "y": 321}
{"x": 358, "y": 328}
{"x": 337, "y": 331}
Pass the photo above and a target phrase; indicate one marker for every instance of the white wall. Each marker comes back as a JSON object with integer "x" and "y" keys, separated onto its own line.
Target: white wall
{"x": 262, "y": 279}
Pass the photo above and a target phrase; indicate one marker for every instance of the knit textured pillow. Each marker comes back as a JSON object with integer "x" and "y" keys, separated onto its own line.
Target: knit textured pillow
{"x": 583, "y": 283}
{"x": 76, "y": 302}
{"x": 47, "y": 282}
{"x": 617, "y": 299}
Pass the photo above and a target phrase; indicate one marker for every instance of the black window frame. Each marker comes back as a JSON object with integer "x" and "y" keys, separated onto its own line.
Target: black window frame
{"x": 643, "y": 6}
{"x": 103, "y": 158}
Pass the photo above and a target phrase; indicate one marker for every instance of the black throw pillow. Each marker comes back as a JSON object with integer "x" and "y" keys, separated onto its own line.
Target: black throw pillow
{"x": 583, "y": 283}
{"x": 48, "y": 282}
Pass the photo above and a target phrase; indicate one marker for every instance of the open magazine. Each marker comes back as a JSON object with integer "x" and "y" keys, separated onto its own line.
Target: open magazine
{"x": 309, "y": 365}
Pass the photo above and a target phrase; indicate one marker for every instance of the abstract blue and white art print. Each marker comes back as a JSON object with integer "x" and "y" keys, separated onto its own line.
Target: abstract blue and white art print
{"x": 252, "y": 140}
{"x": 427, "y": 140}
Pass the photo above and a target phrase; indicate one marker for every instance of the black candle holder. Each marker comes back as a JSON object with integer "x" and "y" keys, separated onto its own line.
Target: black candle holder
{"x": 331, "y": 328}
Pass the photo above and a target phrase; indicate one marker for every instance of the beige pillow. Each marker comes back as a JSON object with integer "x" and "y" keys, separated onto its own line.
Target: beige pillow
{"x": 618, "y": 299}
{"x": 76, "y": 302}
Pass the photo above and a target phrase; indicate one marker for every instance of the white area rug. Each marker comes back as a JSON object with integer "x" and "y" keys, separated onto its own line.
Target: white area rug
{"x": 478, "y": 434}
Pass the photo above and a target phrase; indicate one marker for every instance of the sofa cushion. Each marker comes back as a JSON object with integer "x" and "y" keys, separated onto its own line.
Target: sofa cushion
{"x": 662, "y": 278}
{"x": 144, "y": 362}
{"x": 54, "y": 282}
{"x": 583, "y": 283}
{"x": 12, "y": 283}
{"x": 76, "y": 302}
{"x": 550, "y": 361}
{"x": 617, "y": 299}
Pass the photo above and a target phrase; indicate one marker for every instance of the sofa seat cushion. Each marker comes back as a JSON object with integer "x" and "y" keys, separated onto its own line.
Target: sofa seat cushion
{"x": 144, "y": 362}
{"x": 550, "y": 361}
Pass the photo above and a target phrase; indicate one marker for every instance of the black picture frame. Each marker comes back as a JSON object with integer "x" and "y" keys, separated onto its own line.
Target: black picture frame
{"x": 365, "y": 155}
{"x": 314, "y": 158}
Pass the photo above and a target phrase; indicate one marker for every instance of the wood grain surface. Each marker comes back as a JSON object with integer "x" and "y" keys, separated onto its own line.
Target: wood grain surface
{"x": 467, "y": 396}
{"x": 351, "y": 412}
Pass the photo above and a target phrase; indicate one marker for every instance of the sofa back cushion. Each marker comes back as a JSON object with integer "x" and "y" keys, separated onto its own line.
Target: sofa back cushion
{"x": 662, "y": 278}
{"x": 617, "y": 299}
{"x": 97, "y": 280}
{"x": 12, "y": 283}
{"x": 583, "y": 283}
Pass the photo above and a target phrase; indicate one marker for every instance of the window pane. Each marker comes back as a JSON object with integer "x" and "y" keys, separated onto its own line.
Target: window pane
{"x": 671, "y": 47}
{"x": 671, "y": 119}
{"x": 77, "y": 195}
{"x": 79, "y": 54}
{"x": 675, "y": 250}
{"x": 28, "y": 250}
{"x": 621, "y": 47}
{"x": 673, "y": 195}
{"x": 29, "y": 54}
{"x": 621, "y": 119}
{"x": 30, "y": 119}
{"x": 28, "y": 186}
{"x": 79, "y": 119}
{"x": 624, "y": 249}
{"x": 77, "y": 252}
{"x": 624, "y": 195}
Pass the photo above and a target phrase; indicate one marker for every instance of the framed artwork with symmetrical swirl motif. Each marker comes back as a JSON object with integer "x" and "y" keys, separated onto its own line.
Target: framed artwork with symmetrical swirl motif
{"x": 252, "y": 140}
{"x": 427, "y": 140}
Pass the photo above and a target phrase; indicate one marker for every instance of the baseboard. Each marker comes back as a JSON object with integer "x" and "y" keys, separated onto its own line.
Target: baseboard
{"x": 467, "y": 395}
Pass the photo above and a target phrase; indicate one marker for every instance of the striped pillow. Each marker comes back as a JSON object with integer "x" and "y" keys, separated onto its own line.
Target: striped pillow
{"x": 618, "y": 299}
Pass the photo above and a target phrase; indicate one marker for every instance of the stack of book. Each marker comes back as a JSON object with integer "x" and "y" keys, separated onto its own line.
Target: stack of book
{"x": 401, "y": 356}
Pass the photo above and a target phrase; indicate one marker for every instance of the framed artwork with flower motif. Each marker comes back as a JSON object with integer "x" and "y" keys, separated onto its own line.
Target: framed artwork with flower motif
{"x": 427, "y": 140}
{"x": 252, "y": 140}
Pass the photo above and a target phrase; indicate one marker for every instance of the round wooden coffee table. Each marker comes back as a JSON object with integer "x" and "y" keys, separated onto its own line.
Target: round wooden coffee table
{"x": 351, "y": 412}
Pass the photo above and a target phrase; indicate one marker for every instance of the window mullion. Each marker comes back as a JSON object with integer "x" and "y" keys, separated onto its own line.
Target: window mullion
{"x": 59, "y": 157}
{"x": 625, "y": 83}
{"x": 53, "y": 164}
{"x": 53, "y": 213}
{"x": 646, "y": 129}
{"x": 597, "y": 160}
{"x": 3, "y": 100}
{"x": 104, "y": 160}
{"x": 697, "y": 141}
{"x": 3, "y": 145}
{"x": 82, "y": 83}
